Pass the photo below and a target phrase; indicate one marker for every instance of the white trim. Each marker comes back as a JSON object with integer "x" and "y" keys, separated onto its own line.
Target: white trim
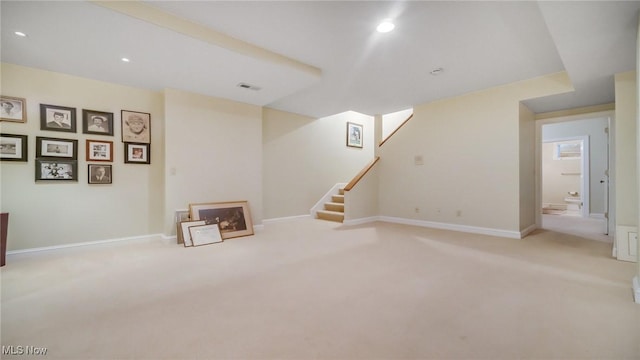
{"x": 636, "y": 289}
{"x": 86, "y": 243}
{"x": 286, "y": 218}
{"x": 454, "y": 227}
{"x": 527, "y": 231}
{"x": 596, "y": 216}
{"x": 326, "y": 198}
{"x": 361, "y": 221}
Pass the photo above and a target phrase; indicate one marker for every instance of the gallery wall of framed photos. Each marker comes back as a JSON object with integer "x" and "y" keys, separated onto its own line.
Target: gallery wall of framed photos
{"x": 62, "y": 145}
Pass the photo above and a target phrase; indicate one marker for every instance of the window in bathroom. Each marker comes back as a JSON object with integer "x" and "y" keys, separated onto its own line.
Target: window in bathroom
{"x": 567, "y": 150}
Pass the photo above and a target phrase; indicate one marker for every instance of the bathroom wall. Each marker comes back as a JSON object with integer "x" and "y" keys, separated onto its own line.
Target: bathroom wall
{"x": 559, "y": 176}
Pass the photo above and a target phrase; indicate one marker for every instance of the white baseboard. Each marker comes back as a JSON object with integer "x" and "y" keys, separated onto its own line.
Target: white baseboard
{"x": 636, "y": 289}
{"x": 596, "y": 216}
{"x": 527, "y": 231}
{"x": 86, "y": 243}
{"x": 361, "y": 221}
{"x": 454, "y": 227}
{"x": 286, "y": 218}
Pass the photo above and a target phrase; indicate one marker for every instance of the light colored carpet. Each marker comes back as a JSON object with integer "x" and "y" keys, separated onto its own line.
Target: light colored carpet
{"x": 310, "y": 289}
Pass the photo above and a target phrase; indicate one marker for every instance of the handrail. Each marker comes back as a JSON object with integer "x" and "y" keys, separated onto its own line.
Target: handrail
{"x": 396, "y": 130}
{"x": 361, "y": 174}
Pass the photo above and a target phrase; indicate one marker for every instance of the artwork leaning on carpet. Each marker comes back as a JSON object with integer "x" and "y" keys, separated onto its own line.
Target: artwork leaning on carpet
{"x": 233, "y": 218}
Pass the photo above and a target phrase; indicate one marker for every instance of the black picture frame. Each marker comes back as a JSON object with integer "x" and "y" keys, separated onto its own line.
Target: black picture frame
{"x": 13, "y": 147}
{"x": 137, "y": 153}
{"x": 57, "y": 118}
{"x": 94, "y": 176}
{"x": 56, "y": 148}
{"x": 135, "y": 127}
{"x": 97, "y": 122}
{"x": 56, "y": 169}
{"x": 354, "y": 135}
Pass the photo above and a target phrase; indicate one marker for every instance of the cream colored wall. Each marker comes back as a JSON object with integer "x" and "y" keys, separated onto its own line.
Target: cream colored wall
{"x": 213, "y": 153}
{"x": 471, "y": 150}
{"x": 527, "y": 168}
{"x": 361, "y": 202}
{"x": 555, "y": 185}
{"x": 390, "y": 122}
{"x": 626, "y": 149}
{"x": 55, "y": 213}
{"x": 304, "y": 157}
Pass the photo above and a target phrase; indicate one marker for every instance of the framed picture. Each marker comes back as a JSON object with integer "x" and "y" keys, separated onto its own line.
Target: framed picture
{"x": 56, "y": 169}
{"x": 99, "y": 174}
{"x": 58, "y": 148}
{"x": 233, "y": 218}
{"x": 184, "y": 230}
{"x": 98, "y": 150}
{"x": 137, "y": 153}
{"x": 57, "y": 118}
{"x": 136, "y": 127}
{"x": 13, "y": 147}
{"x": 97, "y": 122}
{"x": 205, "y": 234}
{"x": 181, "y": 215}
{"x": 354, "y": 135}
{"x": 13, "y": 109}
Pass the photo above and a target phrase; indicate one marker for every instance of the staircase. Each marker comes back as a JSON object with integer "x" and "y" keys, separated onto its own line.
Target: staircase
{"x": 334, "y": 209}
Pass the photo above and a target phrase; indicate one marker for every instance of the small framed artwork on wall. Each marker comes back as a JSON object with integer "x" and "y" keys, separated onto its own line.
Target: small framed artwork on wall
{"x": 136, "y": 127}
{"x": 354, "y": 135}
{"x": 137, "y": 153}
{"x": 57, "y": 118}
{"x": 13, "y": 147}
{"x": 98, "y": 150}
{"x": 56, "y": 169}
{"x": 99, "y": 174}
{"x": 59, "y": 148}
{"x": 97, "y": 122}
{"x": 13, "y": 109}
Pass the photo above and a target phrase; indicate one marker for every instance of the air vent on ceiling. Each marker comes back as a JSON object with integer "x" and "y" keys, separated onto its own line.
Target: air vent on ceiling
{"x": 249, "y": 86}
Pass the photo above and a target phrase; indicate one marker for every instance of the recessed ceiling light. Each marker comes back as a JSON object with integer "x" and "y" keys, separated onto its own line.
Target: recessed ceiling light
{"x": 125, "y": 60}
{"x": 436, "y": 72}
{"x": 20, "y": 33}
{"x": 385, "y": 26}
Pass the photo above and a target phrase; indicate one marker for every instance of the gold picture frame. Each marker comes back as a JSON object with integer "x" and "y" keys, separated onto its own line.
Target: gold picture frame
{"x": 233, "y": 217}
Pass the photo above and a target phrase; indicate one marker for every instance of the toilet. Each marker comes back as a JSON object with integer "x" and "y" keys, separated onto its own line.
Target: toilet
{"x": 574, "y": 203}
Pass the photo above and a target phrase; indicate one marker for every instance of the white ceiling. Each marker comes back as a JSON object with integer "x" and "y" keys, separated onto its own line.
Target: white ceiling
{"x": 319, "y": 58}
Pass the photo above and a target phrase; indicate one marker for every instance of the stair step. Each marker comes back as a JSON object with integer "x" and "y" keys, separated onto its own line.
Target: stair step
{"x": 331, "y": 215}
{"x": 334, "y": 206}
{"x": 341, "y": 191}
{"x": 337, "y": 199}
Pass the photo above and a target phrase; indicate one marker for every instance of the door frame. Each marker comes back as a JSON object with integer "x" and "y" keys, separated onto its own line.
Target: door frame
{"x": 539, "y": 122}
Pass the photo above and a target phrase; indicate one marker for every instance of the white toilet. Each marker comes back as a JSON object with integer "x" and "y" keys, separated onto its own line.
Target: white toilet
{"x": 574, "y": 203}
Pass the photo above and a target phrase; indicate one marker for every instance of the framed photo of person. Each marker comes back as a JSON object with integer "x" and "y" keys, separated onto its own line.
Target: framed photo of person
{"x": 99, "y": 174}
{"x": 137, "y": 153}
{"x": 136, "y": 127}
{"x": 233, "y": 218}
{"x": 13, "y": 109}
{"x": 354, "y": 135}
{"x": 13, "y": 147}
{"x": 59, "y": 148}
{"x": 56, "y": 169}
{"x": 57, "y": 118}
{"x": 97, "y": 122}
{"x": 98, "y": 150}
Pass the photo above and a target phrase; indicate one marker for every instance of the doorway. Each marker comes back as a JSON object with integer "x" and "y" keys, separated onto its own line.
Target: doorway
{"x": 573, "y": 186}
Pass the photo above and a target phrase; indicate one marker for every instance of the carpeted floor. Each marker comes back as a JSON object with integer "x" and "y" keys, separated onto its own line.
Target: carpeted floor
{"x": 310, "y": 289}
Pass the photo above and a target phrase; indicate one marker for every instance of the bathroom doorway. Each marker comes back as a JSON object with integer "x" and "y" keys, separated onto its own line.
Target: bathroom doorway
{"x": 573, "y": 187}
